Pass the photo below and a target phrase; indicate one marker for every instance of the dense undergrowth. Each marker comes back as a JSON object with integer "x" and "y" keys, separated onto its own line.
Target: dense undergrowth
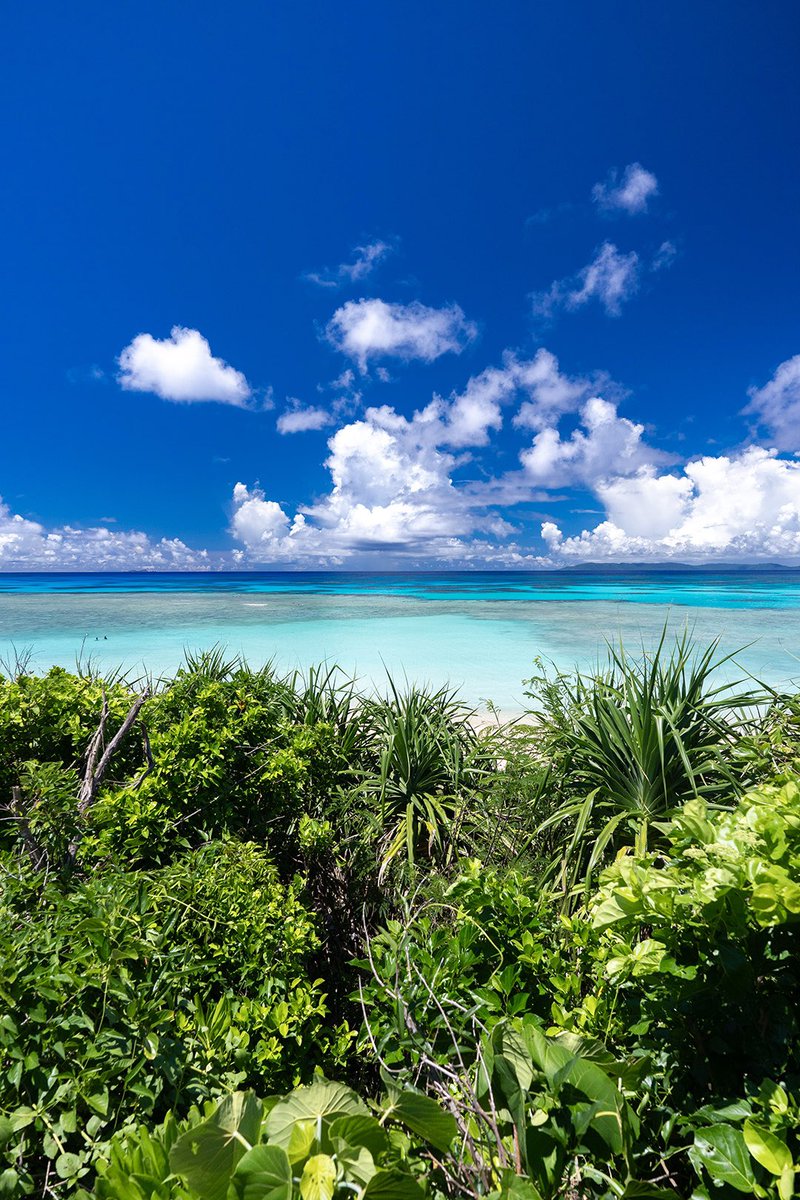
{"x": 560, "y": 958}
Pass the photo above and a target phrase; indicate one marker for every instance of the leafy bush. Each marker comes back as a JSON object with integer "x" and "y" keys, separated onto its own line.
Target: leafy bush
{"x": 51, "y": 719}
{"x": 133, "y": 993}
{"x": 681, "y": 979}
{"x": 721, "y": 911}
{"x": 451, "y": 967}
{"x": 318, "y": 1142}
{"x": 177, "y": 931}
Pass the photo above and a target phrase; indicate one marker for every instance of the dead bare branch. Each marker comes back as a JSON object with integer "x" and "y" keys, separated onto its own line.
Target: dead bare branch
{"x": 95, "y": 770}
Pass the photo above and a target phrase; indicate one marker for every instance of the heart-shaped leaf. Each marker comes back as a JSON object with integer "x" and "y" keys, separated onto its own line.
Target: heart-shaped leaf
{"x": 264, "y": 1173}
{"x": 361, "y": 1131}
{"x": 321, "y": 1102}
{"x": 208, "y": 1154}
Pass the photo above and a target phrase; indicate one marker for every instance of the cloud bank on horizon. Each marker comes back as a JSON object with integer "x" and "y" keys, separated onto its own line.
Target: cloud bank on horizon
{"x": 432, "y": 486}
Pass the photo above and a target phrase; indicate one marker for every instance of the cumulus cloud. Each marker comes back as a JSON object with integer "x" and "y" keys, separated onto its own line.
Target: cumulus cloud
{"x": 610, "y": 278}
{"x": 300, "y": 419}
{"x": 391, "y": 487}
{"x": 468, "y": 417}
{"x": 552, "y": 393}
{"x": 366, "y": 259}
{"x": 742, "y": 506}
{"x": 608, "y": 445}
{"x": 26, "y": 545}
{"x": 776, "y": 406}
{"x": 394, "y": 484}
{"x": 181, "y": 368}
{"x": 629, "y": 193}
{"x": 390, "y": 490}
{"x": 374, "y": 329}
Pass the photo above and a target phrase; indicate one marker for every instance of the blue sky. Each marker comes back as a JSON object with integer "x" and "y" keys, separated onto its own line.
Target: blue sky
{"x": 297, "y": 284}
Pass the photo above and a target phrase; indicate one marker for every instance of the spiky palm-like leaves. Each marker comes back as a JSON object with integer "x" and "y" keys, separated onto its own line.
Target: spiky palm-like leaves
{"x": 428, "y": 759}
{"x": 325, "y": 695}
{"x": 634, "y": 741}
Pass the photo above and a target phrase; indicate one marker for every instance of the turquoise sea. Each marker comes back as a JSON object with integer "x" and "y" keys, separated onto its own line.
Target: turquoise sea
{"x": 480, "y": 631}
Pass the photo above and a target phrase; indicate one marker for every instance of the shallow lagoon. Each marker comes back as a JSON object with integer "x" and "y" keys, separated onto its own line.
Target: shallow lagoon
{"x": 479, "y": 631}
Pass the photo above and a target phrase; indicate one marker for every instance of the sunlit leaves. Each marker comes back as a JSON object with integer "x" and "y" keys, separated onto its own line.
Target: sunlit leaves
{"x": 208, "y": 1154}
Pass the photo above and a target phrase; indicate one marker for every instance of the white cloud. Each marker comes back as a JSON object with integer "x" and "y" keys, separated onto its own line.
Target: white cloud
{"x": 26, "y": 544}
{"x": 664, "y": 256}
{"x": 553, "y": 393}
{"x": 393, "y": 478}
{"x": 743, "y": 506}
{"x": 181, "y": 368}
{"x": 467, "y": 418}
{"x": 646, "y": 504}
{"x": 297, "y": 419}
{"x": 343, "y": 382}
{"x": 367, "y": 329}
{"x": 391, "y": 491}
{"x": 629, "y": 194}
{"x": 611, "y": 278}
{"x": 776, "y": 406}
{"x": 366, "y": 259}
{"x": 607, "y": 446}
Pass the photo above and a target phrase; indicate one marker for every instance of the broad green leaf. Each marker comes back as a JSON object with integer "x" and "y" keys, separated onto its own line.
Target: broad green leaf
{"x": 301, "y": 1141}
{"x": 560, "y": 1066}
{"x": 264, "y": 1173}
{"x": 765, "y": 904}
{"x": 321, "y": 1102}
{"x": 554, "y": 1060}
{"x": 609, "y": 1101}
{"x": 20, "y": 1118}
{"x": 516, "y": 1187}
{"x": 98, "y": 1102}
{"x": 768, "y": 1150}
{"x": 318, "y": 1180}
{"x": 421, "y": 1115}
{"x": 392, "y": 1185}
{"x": 786, "y": 1183}
{"x": 9, "y": 1182}
{"x": 722, "y": 1151}
{"x": 790, "y": 895}
{"x": 516, "y": 1052}
{"x": 68, "y": 1165}
{"x": 355, "y": 1162}
{"x": 208, "y": 1154}
{"x": 772, "y": 1093}
{"x": 361, "y": 1131}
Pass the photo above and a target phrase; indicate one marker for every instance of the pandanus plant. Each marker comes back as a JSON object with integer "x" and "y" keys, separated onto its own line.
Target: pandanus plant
{"x": 637, "y": 739}
{"x": 429, "y": 760}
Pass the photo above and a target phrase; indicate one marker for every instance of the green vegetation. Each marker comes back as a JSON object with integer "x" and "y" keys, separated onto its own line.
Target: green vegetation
{"x": 269, "y": 938}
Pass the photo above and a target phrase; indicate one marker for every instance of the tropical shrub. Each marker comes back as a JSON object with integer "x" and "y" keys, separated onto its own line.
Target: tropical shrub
{"x": 630, "y": 743}
{"x": 429, "y": 762}
{"x": 703, "y": 944}
{"x": 575, "y": 940}
{"x": 318, "y": 1142}
{"x": 451, "y": 966}
{"x": 132, "y": 993}
{"x": 51, "y": 719}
